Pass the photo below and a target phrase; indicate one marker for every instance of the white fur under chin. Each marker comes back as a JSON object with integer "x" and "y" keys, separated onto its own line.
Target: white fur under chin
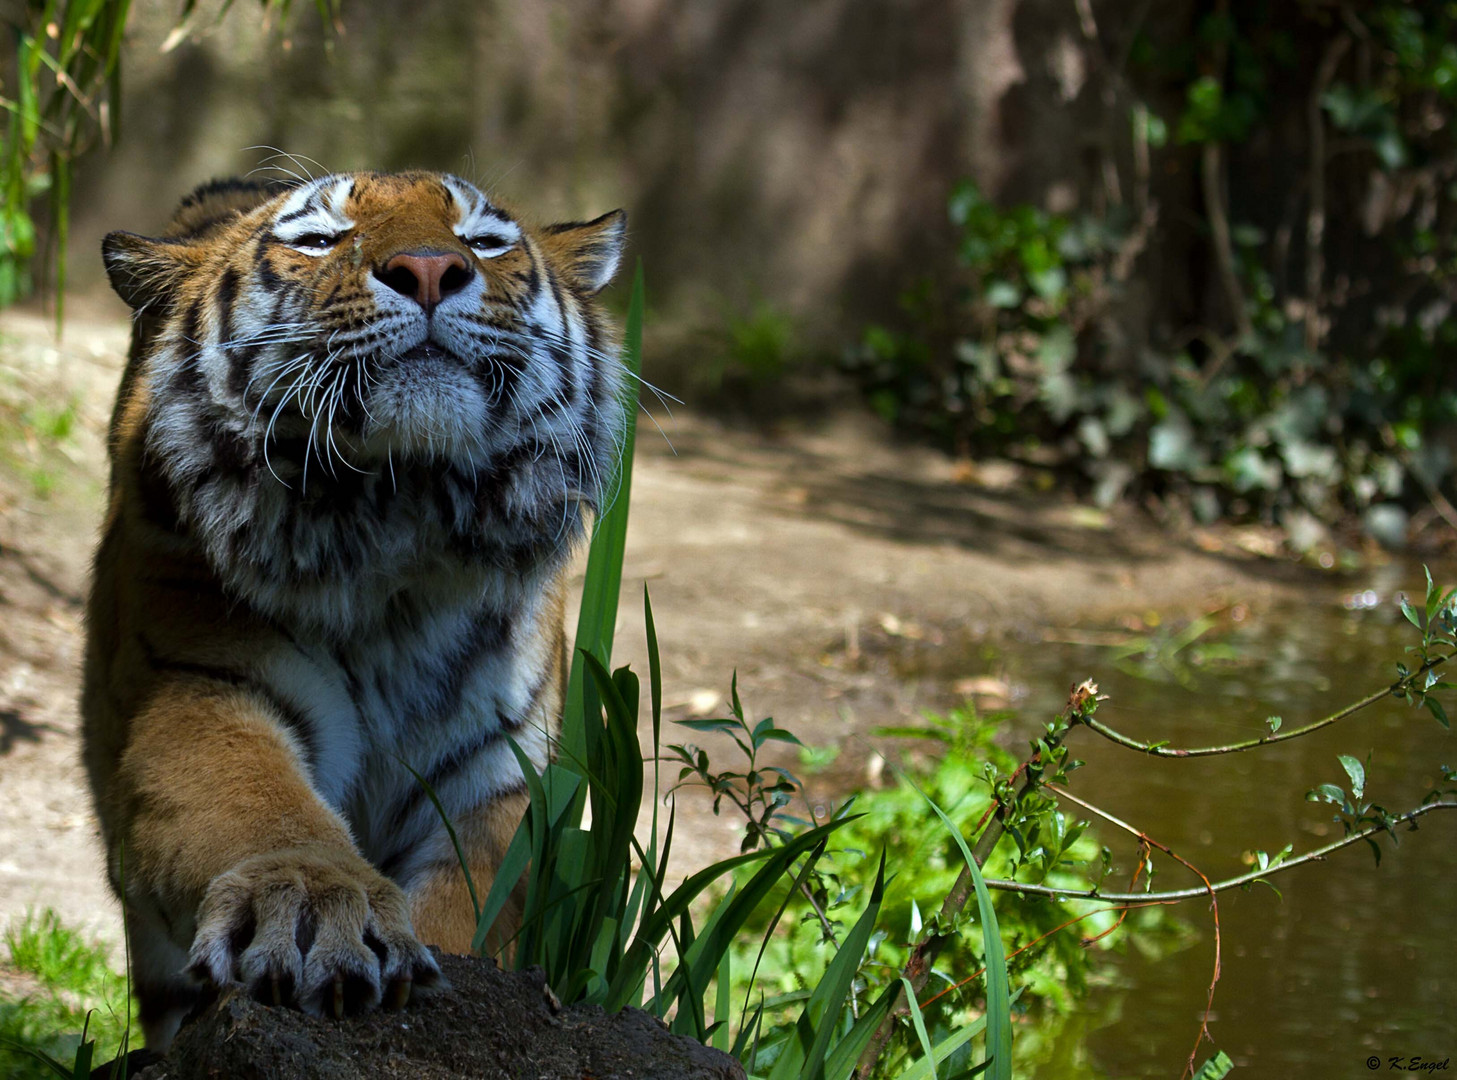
{"x": 428, "y": 408}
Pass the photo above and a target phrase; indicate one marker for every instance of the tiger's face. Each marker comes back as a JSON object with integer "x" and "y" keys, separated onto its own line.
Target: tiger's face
{"x": 317, "y": 349}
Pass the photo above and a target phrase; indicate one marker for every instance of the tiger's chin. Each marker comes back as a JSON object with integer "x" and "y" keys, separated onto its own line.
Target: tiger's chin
{"x": 427, "y": 406}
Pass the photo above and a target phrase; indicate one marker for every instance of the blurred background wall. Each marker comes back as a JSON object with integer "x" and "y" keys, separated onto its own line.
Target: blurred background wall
{"x": 1199, "y": 249}
{"x": 800, "y": 153}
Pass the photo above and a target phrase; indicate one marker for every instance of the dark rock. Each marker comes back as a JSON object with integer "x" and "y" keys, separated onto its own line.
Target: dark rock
{"x": 488, "y": 1024}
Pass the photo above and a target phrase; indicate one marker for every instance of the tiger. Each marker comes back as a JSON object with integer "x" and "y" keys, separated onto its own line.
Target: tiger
{"x": 365, "y": 421}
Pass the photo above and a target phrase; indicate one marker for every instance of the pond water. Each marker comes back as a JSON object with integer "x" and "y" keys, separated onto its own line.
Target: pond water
{"x": 1356, "y": 960}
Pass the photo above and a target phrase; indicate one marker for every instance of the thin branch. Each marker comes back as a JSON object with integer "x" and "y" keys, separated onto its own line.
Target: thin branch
{"x": 1253, "y": 876}
{"x": 1122, "y": 909}
{"x": 1158, "y": 750}
{"x": 1212, "y": 176}
{"x": 1315, "y": 218}
{"x": 1212, "y": 165}
{"x": 923, "y": 957}
{"x": 1145, "y": 841}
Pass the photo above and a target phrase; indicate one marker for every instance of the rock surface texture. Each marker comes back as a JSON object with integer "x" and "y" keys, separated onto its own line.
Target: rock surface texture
{"x": 489, "y": 1024}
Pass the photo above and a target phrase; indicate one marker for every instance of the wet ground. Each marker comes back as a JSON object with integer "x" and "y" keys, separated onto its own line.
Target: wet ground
{"x": 853, "y": 583}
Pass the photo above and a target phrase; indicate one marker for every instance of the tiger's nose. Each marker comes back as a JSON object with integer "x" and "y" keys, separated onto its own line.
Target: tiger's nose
{"x": 427, "y": 277}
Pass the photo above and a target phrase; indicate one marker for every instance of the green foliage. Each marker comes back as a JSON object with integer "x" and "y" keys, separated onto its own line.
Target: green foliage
{"x": 61, "y": 92}
{"x": 1326, "y": 406}
{"x": 784, "y": 945}
{"x": 1355, "y": 813}
{"x": 759, "y": 792}
{"x": 1216, "y": 1068}
{"x": 760, "y": 345}
{"x": 1436, "y": 619}
{"x": 35, "y": 437}
{"x": 598, "y": 913}
{"x": 66, "y": 996}
{"x": 973, "y": 361}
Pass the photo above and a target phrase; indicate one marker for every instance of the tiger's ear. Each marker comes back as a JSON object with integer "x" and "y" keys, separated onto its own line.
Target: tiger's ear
{"x": 587, "y": 253}
{"x": 146, "y": 273}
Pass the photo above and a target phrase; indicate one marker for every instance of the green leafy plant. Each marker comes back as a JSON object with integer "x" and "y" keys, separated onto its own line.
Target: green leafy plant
{"x": 759, "y": 792}
{"x": 1285, "y": 397}
{"x": 599, "y": 914}
{"x": 60, "y": 91}
{"x": 49, "y": 1018}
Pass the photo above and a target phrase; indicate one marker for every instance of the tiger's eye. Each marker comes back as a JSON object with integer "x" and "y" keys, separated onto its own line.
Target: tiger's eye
{"x": 489, "y": 246}
{"x": 315, "y": 241}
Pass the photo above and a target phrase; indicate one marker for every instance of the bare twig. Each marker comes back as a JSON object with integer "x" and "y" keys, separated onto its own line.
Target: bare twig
{"x": 1159, "y": 750}
{"x": 1315, "y": 218}
{"x": 1212, "y": 165}
{"x": 923, "y": 957}
{"x": 1212, "y": 176}
{"x": 1253, "y": 876}
{"x": 1145, "y": 841}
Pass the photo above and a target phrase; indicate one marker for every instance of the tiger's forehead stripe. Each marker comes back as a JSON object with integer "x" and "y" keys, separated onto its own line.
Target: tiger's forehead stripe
{"x": 337, "y": 194}
{"x": 317, "y": 207}
{"x": 477, "y": 213}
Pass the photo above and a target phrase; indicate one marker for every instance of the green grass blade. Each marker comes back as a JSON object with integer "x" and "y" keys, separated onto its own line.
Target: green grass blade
{"x": 999, "y": 1010}
{"x": 919, "y": 1023}
{"x": 597, "y": 616}
{"x": 718, "y": 936}
{"x": 690, "y": 1019}
{"x": 450, "y": 831}
{"x": 806, "y": 1052}
{"x": 652, "y": 931}
{"x": 803, "y": 875}
{"x": 722, "y": 1006}
{"x": 513, "y": 867}
{"x": 746, "y": 1046}
{"x": 616, "y": 787}
{"x": 846, "y": 1053}
{"x": 40, "y": 1056}
{"x": 81, "y": 1068}
{"x": 654, "y": 898}
{"x": 946, "y": 1047}
{"x": 655, "y": 691}
{"x": 537, "y": 825}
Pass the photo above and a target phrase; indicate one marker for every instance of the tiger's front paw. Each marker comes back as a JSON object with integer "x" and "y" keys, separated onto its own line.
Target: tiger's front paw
{"x": 316, "y": 928}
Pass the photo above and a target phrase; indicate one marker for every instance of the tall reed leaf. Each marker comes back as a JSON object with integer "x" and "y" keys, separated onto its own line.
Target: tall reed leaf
{"x": 597, "y": 617}
{"x": 999, "y": 1007}
{"x": 804, "y": 1054}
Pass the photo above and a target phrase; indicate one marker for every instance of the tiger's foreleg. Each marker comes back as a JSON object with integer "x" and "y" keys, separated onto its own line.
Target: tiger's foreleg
{"x": 441, "y": 903}
{"x": 228, "y": 857}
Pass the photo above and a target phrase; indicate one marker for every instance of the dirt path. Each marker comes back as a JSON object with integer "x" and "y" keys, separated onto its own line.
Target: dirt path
{"x": 813, "y": 560}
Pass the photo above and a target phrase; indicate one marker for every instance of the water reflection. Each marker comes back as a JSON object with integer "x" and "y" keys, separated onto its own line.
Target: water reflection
{"x": 1354, "y": 960}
